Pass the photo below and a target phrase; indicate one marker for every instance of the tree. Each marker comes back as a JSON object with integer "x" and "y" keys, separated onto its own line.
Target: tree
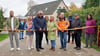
{"x": 1, "y": 19}
{"x": 73, "y": 7}
{"x": 91, "y": 3}
{"x": 30, "y": 4}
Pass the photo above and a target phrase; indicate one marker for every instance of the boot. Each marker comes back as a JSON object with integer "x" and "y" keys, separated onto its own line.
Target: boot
{"x": 51, "y": 48}
{"x": 72, "y": 42}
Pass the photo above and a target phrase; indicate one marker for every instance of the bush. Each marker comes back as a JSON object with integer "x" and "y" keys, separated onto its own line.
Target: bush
{"x": 1, "y": 19}
{"x": 95, "y": 11}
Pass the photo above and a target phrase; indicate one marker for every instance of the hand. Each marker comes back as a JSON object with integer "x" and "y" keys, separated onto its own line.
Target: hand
{"x": 53, "y": 30}
{"x": 15, "y": 30}
{"x": 10, "y": 30}
{"x": 44, "y": 29}
{"x": 40, "y": 29}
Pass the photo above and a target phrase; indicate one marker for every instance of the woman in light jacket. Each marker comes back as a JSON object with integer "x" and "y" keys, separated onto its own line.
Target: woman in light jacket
{"x": 89, "y": 32}
{"x": 29, "y": 26}
{"x": 52, "y": 26}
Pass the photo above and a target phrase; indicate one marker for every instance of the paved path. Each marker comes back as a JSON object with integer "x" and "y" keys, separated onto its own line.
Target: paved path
{"x": 4, "y": 50}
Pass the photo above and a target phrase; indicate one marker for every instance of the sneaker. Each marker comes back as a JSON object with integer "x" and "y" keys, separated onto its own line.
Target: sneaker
{"x": 12, "y": 49}
{"x": 29, "y": 48}
{"x": 41, "y": 48}
{"x": 32, "y": 47}
{"x": 78, "y": 48}
{"x": 38, "y": 50}
{"x": 64, "y": 49}
{"x": 85, "y": 46}
{"x": 61, "y": 48}
{"x": 75, "y": 47}
{"x": 18, "y": 49}
{"x": 90, "y": 46}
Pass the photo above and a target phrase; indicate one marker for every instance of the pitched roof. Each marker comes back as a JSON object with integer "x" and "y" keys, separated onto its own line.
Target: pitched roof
{"x": 47, "y": 8}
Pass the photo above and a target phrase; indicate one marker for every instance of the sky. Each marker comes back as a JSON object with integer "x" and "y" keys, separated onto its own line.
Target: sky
{"x": 20, "y": 6}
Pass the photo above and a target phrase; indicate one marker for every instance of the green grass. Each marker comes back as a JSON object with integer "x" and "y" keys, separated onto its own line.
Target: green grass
{"x": 93, "y": 46}
{"x": 3, "y": 37}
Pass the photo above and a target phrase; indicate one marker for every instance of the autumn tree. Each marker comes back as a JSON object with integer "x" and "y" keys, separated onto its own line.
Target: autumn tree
{"x": 30, "y": 4}
{"x": 73, "y": 7}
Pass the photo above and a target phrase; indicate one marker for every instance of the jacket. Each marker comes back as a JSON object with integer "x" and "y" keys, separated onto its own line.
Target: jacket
{"x": 63, "y": 23}
{"x": 90, "y": 23}
{"x": 16, "y": 23}
{"x": 21, "y": 26}
{"x": 76, "y": 24}
{"x": 71, "y": 20}
{"x": 29, "y": 32}
{"x": 39, "y": 23}
{"x": 52, "y": 26}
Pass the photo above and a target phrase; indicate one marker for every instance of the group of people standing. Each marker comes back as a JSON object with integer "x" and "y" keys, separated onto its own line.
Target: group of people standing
{"x": 49, "y": 26}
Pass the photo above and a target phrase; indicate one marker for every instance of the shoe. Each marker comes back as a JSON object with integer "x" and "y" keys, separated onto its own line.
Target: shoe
{"x": 72, "y": 42}
{"x": 68, "y": 42}
{"x": 32, "y": 47}
{"x": 38, "y": 50}
{"x": 78, "y": 48}
{"x": 64, "y": 49}
{"x": 75, "y": 47}
{"x": 61, "y": 48}
{"x": 90, "y": 46}
{"x": 51, "y": 48}
{"x": 19, "y": 38}
{"x": 22, "y": 38}
{"x": 85, "y": 46}
{"x": 12, "y": 49}
{"x": 29, "y": 48}
{"x": 18, "y": 49}
{"x": 41, "y": 48}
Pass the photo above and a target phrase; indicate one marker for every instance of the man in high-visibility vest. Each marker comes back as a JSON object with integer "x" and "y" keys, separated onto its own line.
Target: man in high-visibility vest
{"x": 63, "y": 24}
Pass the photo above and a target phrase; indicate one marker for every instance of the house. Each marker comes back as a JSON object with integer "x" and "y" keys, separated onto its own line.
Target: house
{"x": 49, "y": 9}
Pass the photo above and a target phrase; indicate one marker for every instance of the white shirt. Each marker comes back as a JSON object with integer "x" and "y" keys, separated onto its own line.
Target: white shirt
{"x": 12, "y": 23}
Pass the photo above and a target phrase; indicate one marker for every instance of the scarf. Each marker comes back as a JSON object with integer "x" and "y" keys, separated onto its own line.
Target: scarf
{"x": 29, "y": 24}
{"x": 51, "y": 20}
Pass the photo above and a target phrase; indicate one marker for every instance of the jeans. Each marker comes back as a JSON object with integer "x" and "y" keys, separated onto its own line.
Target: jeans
{"x": 39, "y": 36}
{"x": 63, "y": 39}
{"x": 21, "y": 34}
{"x": 15, "y": 34}
{"x": 53, "y": 42}
{"x": 77, "y": 39}
{"x": 86, "y": 38}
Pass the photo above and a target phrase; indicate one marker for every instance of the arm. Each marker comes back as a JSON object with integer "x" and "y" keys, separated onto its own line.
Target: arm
{"x": 36, "y": 23}
{"x": 68, "y": 24}
{"x": 45, "y": 24}
{"x": 25, "y": 27}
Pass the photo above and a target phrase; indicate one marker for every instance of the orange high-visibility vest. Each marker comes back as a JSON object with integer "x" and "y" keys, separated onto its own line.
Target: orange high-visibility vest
{"x": 64, "y": 24}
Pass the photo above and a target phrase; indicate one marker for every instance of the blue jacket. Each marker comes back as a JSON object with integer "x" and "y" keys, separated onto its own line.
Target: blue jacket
{"x": 39, "y": 23}
{"x": 71, "y": 20}
{"x": 29, "y": 32}
{"x": 21, "y": 26}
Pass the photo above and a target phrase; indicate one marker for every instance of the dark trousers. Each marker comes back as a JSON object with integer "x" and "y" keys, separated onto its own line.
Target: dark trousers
{"x": 39, "y": 36}
{"x": 69, "y": 34}
{"x": 78, "y": 39}
{"x": 46, "y": 35}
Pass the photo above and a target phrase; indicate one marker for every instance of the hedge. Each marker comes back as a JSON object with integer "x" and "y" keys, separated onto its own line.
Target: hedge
{"x": 95, "y": 11}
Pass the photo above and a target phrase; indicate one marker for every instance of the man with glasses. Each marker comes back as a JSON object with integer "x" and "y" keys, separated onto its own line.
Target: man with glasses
{"x": 40, "y": 26}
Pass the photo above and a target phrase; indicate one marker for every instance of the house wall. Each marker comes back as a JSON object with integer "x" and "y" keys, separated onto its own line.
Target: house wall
{"x": 60, "y": 5}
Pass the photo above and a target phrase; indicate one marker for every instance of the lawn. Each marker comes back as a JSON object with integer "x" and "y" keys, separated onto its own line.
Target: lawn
{"x": 93, "y": 46}
{"x": 3, "y": 37}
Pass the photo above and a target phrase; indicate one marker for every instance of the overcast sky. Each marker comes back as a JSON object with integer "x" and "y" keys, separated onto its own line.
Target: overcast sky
{"x": 20, "y": 6}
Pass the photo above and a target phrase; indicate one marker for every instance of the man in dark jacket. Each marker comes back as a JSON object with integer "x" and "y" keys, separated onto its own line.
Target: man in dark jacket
{"x": 40, "y": 26}
{"x": 76, "y": 24}
{"x": 71, "y": 19}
